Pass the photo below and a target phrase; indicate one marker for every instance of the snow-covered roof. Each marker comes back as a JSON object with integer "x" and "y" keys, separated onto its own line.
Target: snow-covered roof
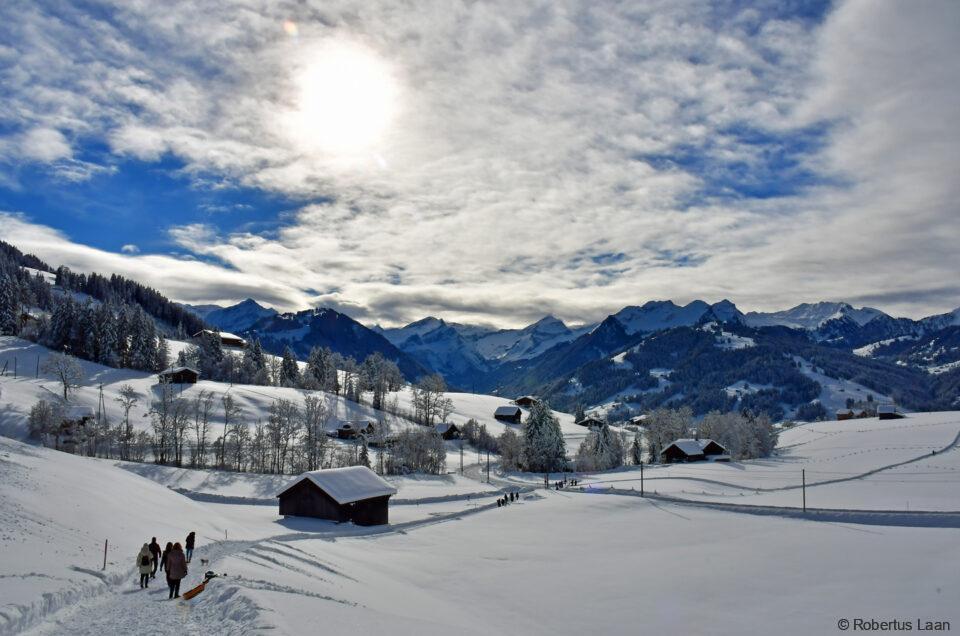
{"x": 507, "y": 410}
{"x": 844, "y": 411}
{"x": 78, "y": 412}
{"x": 173, "y": 370}
{"x": 688, "y": 446}
{"x": 346, "y": 485}
{"x": 354, "y": 424}
{"x": 443, "y": 427}
{"x": 886, "y": 408}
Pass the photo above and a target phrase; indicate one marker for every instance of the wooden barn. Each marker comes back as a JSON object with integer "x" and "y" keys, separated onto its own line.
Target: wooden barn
{"x": 352, "y": 429}
{"x": 355, "y": 494}
{"x": 888, "y": 412}
{"x": 179, "y": 375}
{"x": 73, "y": 427}
{"x": 591, "y": 422}
{"x": 226, "y": 339}
{"x": 682, "y": 450}
{"x": 511, "y": 414}
{"x": 447, "y": 430}
{"x": 527, "y": 401}
{"x": 714, "y": 450}
{"x": 844, "y": 414}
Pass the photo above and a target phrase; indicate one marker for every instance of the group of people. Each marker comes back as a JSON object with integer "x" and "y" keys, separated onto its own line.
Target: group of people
{"x": 172, "y": 560}
{"x": 508, "y": 498}
{"x": 560, "y": 485}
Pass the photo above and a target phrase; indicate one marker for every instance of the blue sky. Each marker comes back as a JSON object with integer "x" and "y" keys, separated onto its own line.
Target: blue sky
{"x": 455, "y": 159}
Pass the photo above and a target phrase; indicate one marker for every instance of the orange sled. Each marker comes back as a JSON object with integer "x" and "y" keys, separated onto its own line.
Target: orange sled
{"x": 189, "y": 594}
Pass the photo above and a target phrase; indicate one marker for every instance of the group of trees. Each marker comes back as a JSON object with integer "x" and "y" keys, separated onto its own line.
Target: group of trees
{"x": 744, "y": 435}
{"x": 603, "y": 449}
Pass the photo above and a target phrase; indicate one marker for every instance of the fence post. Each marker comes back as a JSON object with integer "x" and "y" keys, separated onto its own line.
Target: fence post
{"x": 803, "y": 476}
{"x": 105, "y": 542}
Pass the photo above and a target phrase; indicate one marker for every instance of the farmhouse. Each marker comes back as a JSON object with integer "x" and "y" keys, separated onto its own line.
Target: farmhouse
{"x": 844, "y": 414}
{"x": 179, "y": 375}
{"x": 888, "y": 412}
{"x": 226, "y": 339}
{"x": 355, "y": 494}
{"x": 447, "y": 430}
{"x": 527, "y": 401}
{"x": 73, "y": 426}
{"x": 508, "y": 414}
{"x": 591, "y": 422}
{"x": 693, "y": 450}
{"x": 349, "y": 429}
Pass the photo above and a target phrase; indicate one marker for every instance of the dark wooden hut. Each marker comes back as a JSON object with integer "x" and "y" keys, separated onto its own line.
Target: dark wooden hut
{"x": 682, "y": 450}
{"x": 591, "y": 422}
{"x": 179, "y": 375}
{"x": 526, "y": 401}
{"x": 226, "y": 339}
{"x": 888, "y": 412}
{"x": 355, "y": 494}
{"x": 511, "y": 414}
{"x": 447, "y": 430}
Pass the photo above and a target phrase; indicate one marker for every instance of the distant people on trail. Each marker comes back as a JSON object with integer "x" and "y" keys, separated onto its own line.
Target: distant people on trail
{"x": 191, "y": 539}
{"x": 144, "y": 565}
{"x": 176, "y": 570}
{"x": 166, "y": 552}
{"x": 499, "y": 504}
{"x": 155, "y": 554}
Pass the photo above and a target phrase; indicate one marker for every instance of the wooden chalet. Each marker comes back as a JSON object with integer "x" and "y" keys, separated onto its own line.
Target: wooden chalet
{"x": 527, "y": 401}
{"x": 591, "y": 422}
{"x": 888, "y": 412}
{"x": 447, "y": 430}
{"x": 351, "y": 429}
{"x": 511, "y": 414}
{"x": 355, "y": 494}
{"x": 844, "y": 414}
{"x": 73, "y": 427}
{"x": 179, "y": 375}
{"x": 226, "y": 339}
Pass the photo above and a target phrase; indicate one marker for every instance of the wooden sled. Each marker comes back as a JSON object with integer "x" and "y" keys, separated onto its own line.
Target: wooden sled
{"x": 189, "y": 594}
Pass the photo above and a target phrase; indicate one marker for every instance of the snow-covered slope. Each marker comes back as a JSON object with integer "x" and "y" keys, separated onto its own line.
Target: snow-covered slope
{"x": 240, "y": 317}
{"x": 510, "y": 345}
{"x": 657, "y": 315}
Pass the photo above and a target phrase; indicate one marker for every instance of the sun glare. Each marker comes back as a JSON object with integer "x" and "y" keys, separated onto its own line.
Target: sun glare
{"x": 347, "y": 98}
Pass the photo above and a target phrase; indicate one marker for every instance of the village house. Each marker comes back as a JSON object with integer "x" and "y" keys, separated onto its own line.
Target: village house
{"x": 888, "y": 412}
{"x": 511, "y": 414}
{"x": 354, "y": 493}
{"x": 527, "y": 401}
{"x": 226, "y": 339}
{"x": 351, "y": 429}
{"x": 179, "y": 375}
{"x": 591, "y": 422}
{"x": 73, "y": 427}
{"x": 693, "y": 450}
{"x": 447, "y": 430}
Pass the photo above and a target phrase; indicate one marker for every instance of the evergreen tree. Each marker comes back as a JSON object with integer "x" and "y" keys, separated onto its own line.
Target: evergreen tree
{"x": 542, "y": 448}
{"x": 289, "y": 370}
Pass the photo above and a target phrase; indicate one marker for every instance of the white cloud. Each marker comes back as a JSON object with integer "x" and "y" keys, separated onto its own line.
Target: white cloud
{"x": 130, "y": 248}
{"x": 526, "y": 145}
{"x": 45, "y": 145}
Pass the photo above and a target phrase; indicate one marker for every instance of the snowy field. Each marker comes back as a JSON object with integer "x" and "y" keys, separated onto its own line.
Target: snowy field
{"x": 856, "y": 459}
{"x": 554, "y": 563}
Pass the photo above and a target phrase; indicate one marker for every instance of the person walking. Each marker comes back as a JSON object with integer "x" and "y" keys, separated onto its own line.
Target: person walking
{"x": 166, "y": 552}
{"x": 176, "y": 570}
{"x": 144, "y": 565}
{"x": 191, "y": 540}
{"x": 155, "y": 557}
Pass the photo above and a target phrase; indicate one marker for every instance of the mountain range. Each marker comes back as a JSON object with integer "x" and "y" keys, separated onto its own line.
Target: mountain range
{"x": 610, "y": 361}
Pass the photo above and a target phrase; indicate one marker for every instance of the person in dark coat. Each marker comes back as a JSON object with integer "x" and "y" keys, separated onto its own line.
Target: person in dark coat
{"x": 176, "y": 570}
{"x": 155, "y": 552}
{"x": 166, "y": 552}
{"x": 144, "y": 565}
{"x": 191, "y": 539}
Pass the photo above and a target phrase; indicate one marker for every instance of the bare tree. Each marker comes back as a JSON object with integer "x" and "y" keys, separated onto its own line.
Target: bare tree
{"x": 66, "y": 370}
{"x": 316, "y": 414}
{"x": 429, "y": 402}
{"x": 202, "y": 409}
{"x": 127, "y": 399}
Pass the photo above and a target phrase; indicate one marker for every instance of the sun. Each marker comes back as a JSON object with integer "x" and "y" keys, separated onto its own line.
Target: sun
{"x": 346, "y": 100}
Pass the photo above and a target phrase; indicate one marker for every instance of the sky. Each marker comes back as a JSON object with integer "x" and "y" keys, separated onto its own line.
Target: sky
{"x": 489, "y": 162}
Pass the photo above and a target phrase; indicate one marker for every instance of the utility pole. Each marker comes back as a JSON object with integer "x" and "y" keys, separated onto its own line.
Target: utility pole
{"x": 488, "y": 465}
{"x": 803, "y": 478}
{"x": 461, "y": 455}
{"x": 38, "y": 366}
{"x": 14, "y": 367}
{"x": 105, "y": 542}
{"x": 641, "y": 479}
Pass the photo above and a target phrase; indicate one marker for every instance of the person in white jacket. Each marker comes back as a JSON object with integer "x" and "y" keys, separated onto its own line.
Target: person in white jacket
{"x": 145, "y": 565}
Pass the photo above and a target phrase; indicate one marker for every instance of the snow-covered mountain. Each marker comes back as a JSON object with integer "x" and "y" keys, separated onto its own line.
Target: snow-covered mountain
{"x": 239, "y": 317}
{"x": 942, "y": 321}
{"x": 810, "y": 316}
{"x": 439, "y": 346}
{"x": 657, "y": 315}
{"x": 510, "y": 345}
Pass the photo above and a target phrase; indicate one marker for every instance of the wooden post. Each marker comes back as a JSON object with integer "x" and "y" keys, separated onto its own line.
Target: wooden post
{"x": 641, "y": 479}
{"x": 38, "y": 367}
{"x": 803, "y": 479}
{"x": 488, "y": 465}
{"x": 14, "y": 367}
{"x": 105, "y": 542}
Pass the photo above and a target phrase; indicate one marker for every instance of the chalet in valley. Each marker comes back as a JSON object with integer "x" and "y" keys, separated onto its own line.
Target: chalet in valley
{"x": 179, "y": 375}
{"x": 226, "y": 339}
{"x": 591, "y": 422}
{"x": 511, "y": 414}
{"x": 693, "y": 450}
{"x": 888, "y": 412}
{"x": 355, "y": 494}
{"x": 351, "y": 429}
{"x": 447, "y": 430}
{"x": 527, "y": 401}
